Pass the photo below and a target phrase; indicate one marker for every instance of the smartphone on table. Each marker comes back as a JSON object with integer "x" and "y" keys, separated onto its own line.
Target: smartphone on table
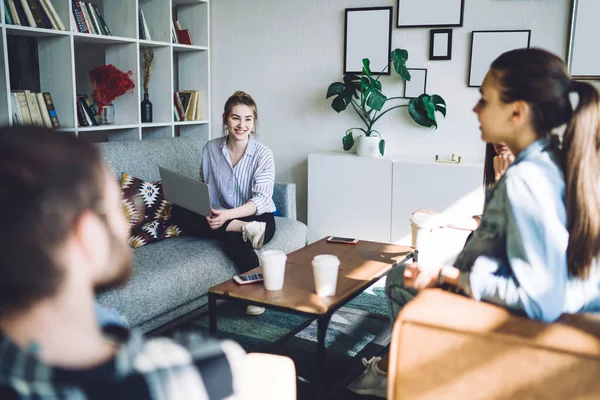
{"x": 247, "y": 278}
{"x": 338, "y": 239}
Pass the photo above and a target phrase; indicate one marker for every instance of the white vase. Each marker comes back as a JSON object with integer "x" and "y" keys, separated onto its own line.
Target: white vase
{"x": 368, "y": 146}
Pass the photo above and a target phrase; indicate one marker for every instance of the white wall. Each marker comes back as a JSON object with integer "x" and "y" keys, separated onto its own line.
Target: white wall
{"x": 286, "y": 53}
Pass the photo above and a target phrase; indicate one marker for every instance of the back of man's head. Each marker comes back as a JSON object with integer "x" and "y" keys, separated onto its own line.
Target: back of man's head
{"x": 47, "y": 179}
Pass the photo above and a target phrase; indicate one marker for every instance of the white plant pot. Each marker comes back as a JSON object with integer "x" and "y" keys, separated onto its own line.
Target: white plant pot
{"x": 368, "y": 146}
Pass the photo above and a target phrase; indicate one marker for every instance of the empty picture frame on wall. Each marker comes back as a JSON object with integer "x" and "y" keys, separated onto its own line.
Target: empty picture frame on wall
{"x": 368, "y": 35}
{"x": 486, "y": 46}
{"x": 417, "y": 84}
{"x": 440, "y": 44}
{"x": 583, "y": 58}
{"x": 424, "y": 13}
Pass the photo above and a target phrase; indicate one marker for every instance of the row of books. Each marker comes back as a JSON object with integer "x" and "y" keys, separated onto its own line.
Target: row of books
{"x": 34, "y": 109}
{"x": 35, "y": 13}
{"x": 187, "y": 105}
{"x": 88, "y": 18}
{"x": 144, "y": 31}
{"x": 180, "y": 35}
{"x": 87, "y": 112}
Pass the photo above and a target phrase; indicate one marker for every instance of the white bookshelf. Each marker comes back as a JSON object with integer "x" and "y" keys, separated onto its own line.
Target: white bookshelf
{"x": 66, "y": 57}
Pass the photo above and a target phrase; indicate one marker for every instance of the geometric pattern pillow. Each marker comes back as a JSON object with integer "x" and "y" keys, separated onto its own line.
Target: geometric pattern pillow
{"x": 154, "y": 231}
{"x": 143, "y": 201}
{"x": 146, "y": 210}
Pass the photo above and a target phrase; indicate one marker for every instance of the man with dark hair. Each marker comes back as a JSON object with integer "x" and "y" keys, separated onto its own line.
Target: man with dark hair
{"x": 63, "y": 238}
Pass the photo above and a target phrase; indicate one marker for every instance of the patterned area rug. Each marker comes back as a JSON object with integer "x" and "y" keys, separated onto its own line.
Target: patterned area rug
{"x": 360, "y": 329}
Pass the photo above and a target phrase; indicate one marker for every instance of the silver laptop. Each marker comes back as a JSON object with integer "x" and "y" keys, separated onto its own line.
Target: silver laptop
{"x": 185, "y": 192}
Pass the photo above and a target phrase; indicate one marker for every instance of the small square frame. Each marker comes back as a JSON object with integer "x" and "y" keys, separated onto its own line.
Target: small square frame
{"x": 417, "y": 83}
{"x": 374, "y": 43}
{"x": 486, "y": 46}
{"x": 430, "y": 13}
{"x": 436, "y": 44}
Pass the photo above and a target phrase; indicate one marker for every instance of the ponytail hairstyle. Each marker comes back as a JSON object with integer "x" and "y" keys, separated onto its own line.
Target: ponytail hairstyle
{"x": 240, "y": 98}
{"x": 489, "y": 175}
{"x": 542, "y": 80}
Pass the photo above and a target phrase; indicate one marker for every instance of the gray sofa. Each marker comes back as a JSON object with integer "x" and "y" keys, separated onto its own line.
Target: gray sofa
{"x": 171, "y": 278}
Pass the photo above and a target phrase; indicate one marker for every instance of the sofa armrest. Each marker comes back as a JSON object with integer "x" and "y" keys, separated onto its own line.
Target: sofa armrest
{"x": 449, "y": 346}
{"x": 284, "y": 197}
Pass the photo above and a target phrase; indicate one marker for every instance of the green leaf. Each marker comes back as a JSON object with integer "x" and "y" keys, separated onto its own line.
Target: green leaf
{"x": 418, "y": 113}
{"x": 381, "y": 146}
{"x": 399, "y": 57}
{"x": 376, "y": 84}
{"x": 339, "y": 104}
{"x": 335, "y": 89}
{"x": 404, "y": 73}
{"x": 429, "y": 106}
{"x": 351, "y": 78}
{"x": 366, "y": 67}
{"x": 375, "y": 99}
{"x": 440, "y": 104}
{"x": 348, "y": 141}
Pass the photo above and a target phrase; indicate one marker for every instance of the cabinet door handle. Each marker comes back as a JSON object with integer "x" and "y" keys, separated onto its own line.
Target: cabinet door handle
{"x": 453, "y": 160}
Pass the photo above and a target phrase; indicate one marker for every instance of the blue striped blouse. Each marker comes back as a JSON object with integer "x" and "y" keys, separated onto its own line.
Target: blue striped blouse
{"x": 251, "y": 179}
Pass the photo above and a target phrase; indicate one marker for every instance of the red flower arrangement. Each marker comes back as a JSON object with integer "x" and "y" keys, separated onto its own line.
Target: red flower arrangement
{"x": 109, "y": 82}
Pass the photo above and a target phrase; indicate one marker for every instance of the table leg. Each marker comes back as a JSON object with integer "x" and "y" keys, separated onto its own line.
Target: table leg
{"x": 212, "y": 313}
{"x": 322, "y": 324}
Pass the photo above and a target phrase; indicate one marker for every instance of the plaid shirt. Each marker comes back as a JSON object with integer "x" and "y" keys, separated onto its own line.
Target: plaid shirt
{"x": 187, "y": 367}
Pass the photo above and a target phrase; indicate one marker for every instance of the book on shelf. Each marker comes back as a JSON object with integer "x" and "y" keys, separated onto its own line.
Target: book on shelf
{"x": 188, "y": 105}
{"x": 51, "y": 110}
{"x": 182, "y": 36}
{"x": 34, "y": 13}
{"x": 179, "y": 106}
{"x": 144, "y": 31}
{"x": 7, "y": 18}
{"x": 16, "y": 20}
{"x": 88, "y": 18}
{"x": 87, "y": 114}
{"x": 173, "y": 34}
{"x": 31, "y": 108}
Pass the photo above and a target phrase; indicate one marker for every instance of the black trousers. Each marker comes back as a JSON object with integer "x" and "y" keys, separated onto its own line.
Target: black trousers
{"x": 240, "y": 252}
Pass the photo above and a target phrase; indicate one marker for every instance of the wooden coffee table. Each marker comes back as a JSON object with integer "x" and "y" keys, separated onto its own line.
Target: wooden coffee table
{"x": 361, "y": 265}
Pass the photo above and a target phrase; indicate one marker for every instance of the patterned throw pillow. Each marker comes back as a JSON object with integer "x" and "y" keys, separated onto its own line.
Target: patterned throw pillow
{"x": 153, "y": 232}
{"x": 146, "y": 210}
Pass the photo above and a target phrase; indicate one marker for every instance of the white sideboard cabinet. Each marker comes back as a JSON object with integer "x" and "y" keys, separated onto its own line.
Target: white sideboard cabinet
{"x": 373, "y": 198}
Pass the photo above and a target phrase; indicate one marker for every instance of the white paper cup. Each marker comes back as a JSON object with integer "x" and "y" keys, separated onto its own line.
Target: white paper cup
{"x": 325, "y": 271}
{"x": 273, "y": 268}
{"x": 422, "y": 224}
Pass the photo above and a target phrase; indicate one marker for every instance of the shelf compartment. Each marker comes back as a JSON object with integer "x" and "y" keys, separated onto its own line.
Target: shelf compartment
{"x": 190, "y": 72}
{"x": 123, "y": 56}
{"x": 120, "y": 17}
{"x": 157, "y": 14}
{"x": 160, "y": 91}
{"x": 193, "y": 15}
{"x": 186, "y": 129}
{"x": 43, "y": 64}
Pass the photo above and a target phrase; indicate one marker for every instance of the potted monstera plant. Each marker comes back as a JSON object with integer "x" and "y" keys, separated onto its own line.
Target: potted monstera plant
{"x": 364, "y": 94}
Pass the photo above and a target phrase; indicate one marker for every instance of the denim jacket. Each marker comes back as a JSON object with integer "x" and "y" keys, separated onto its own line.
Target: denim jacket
{"x": 517, "y": 257}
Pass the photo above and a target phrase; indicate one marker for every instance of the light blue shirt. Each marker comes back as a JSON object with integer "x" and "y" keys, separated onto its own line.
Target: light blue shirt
{"x": 252, "y": 178}
{"x": 517, "y": 257}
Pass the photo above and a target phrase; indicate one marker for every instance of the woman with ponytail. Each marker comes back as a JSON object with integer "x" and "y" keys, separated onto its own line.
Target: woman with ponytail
{"x": 540, "y": 231}
{"x": 535, "y": 250}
